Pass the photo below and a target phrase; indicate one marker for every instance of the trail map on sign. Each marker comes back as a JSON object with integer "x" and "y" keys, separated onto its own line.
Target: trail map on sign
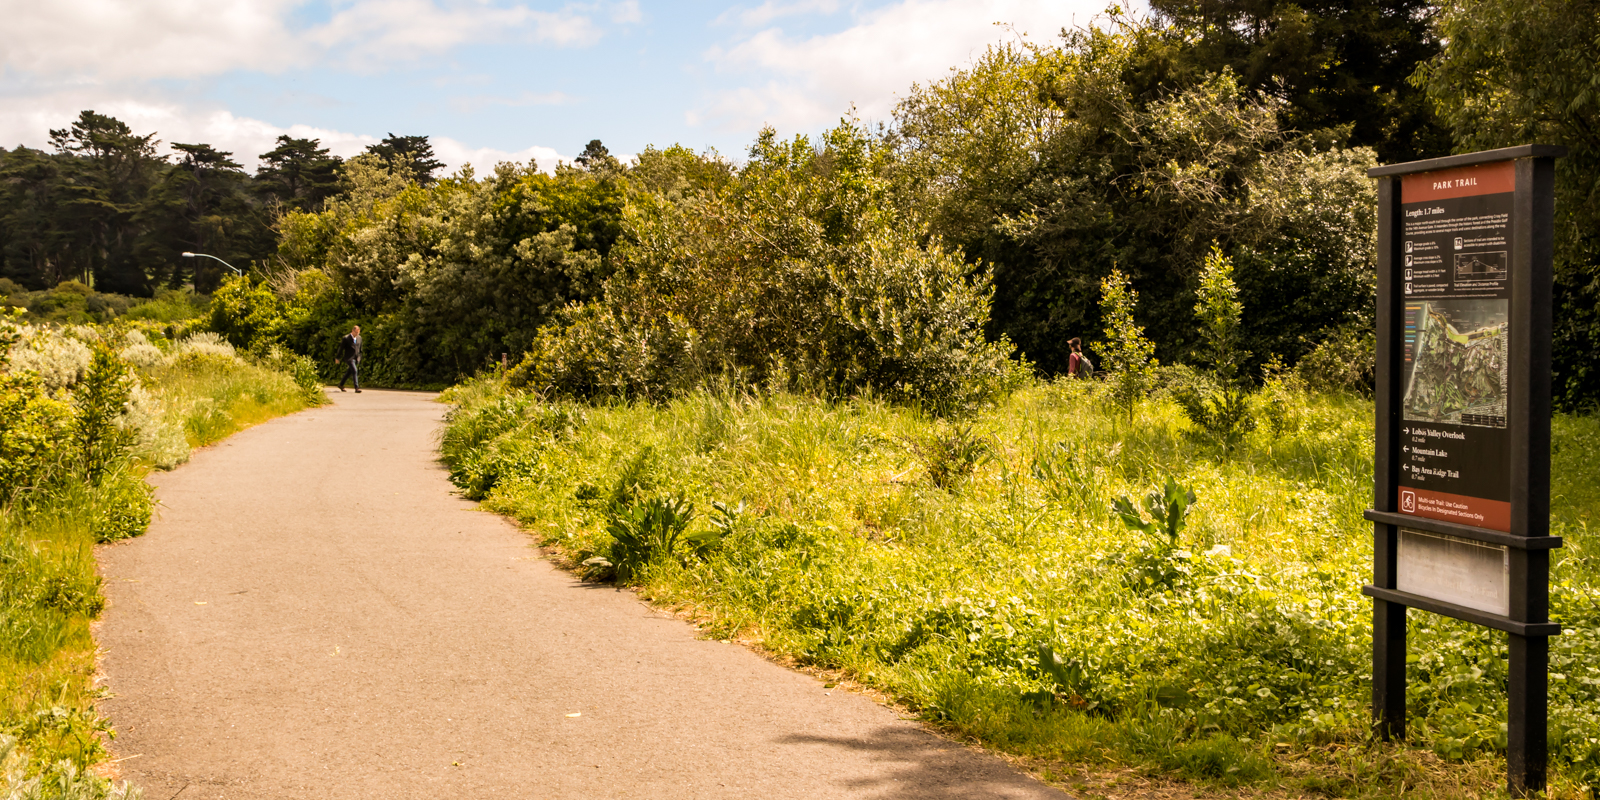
{"x": 1458, "y": 376}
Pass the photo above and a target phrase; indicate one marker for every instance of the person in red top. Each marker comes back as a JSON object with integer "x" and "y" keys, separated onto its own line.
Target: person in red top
{"x": 1078, "y": 364}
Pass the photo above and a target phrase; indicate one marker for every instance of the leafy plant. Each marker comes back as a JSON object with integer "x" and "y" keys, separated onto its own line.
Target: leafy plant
{"x": 100, "y": 401}
{"x": 645, "y": 532}
{"x": 1161, "y": 564}
{"x": 953, "y": 455}
{"x": 1128, "y": 354}
{"x": 1222, "y": 413}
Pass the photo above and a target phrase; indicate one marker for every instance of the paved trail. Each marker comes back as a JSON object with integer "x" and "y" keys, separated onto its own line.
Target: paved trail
{"x": 313, "y": 614}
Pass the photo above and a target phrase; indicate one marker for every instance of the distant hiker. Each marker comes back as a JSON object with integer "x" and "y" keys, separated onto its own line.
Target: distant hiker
{"x": 1079, "y": 365}
{"x": 350, "y": 354}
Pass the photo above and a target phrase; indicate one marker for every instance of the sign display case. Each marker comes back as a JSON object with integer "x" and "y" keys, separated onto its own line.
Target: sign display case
{"x": 1461, "y": 494}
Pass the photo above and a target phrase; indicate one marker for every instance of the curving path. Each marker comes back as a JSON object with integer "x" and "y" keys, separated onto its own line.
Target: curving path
{"x": 314, "y": 615}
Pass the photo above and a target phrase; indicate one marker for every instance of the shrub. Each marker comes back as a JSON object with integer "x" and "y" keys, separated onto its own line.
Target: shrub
{"x": 1127, "y": 351}
{"x": 59, "y": 359}
{"x": 800, "y": 275}
{"x": 1345, "y": 361}
{"x": 1222, "y": 413}
{"x": 100, "y": 402}
{"x": 247, "y": 314}
{"x": 205, "y": 345}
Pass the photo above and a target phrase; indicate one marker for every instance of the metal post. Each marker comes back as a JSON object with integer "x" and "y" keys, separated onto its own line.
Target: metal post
{"x": 1388, "y": 619}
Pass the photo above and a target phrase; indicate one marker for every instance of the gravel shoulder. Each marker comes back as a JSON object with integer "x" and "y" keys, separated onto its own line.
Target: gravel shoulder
{"x": 314, "y": 614}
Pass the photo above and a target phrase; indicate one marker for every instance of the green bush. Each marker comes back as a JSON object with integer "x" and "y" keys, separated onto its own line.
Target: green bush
{"x": 168, "y": 306}
{"x": 799, "y": 274}
{"x": 246, "y": 313}
{"x": 1345, "y": 361}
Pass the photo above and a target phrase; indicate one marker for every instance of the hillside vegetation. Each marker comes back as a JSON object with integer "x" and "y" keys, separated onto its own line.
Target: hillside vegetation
{"x": 84, "y": 414}
{"x": 1047, "y": 577}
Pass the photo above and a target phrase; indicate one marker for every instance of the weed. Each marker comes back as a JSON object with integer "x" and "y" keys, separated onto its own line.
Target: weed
{"x": 953, "y": 455}
{"x": 646, "y": 531}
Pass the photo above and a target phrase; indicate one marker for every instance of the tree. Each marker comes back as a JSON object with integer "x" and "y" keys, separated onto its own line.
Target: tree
{"x": 1223, "y": 411}
{"x": 105, "y": 209}
{"x": 110, "y": 171}
{"x": 799, "y": 273}
{"x": 36, "y": 248}
{"x": 596, "y": 158}
{"x": 1050, "y": 165}
{"x": 298, "y": 173}
{"x": 1518, "y": 71}
{"x": 201, "y": 204}
{"x": 678, "y": 173}
{"x": 1336, "y": 65}
{"x": 413, "y": 153}
{"x": 1127, "y": 352}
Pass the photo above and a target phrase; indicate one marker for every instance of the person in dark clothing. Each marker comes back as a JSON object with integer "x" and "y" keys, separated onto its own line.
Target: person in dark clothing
{"x": 350, "y": 354}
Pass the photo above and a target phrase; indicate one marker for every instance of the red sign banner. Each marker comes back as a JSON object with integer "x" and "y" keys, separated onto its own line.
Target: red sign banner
{"x": 1460, "y": 509}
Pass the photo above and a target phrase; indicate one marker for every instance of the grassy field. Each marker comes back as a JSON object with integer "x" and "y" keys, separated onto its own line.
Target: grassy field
{"x": 977, "y": 573}
{"x": 189, "y": 394}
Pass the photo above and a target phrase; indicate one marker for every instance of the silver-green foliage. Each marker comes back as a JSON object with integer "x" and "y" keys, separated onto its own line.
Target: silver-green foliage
{"x": 60, "y": 781}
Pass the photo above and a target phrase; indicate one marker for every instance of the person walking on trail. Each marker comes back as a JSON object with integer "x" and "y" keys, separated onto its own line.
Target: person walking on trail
{"x": 1078, "y": 364}
{"x": 350, "y": 354}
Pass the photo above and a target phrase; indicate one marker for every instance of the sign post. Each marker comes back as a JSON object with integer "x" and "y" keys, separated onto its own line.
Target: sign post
{"x": 1461, "y": 496}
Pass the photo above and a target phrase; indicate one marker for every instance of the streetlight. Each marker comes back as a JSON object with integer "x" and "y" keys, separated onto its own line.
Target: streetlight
{"x": 235, "y": 269}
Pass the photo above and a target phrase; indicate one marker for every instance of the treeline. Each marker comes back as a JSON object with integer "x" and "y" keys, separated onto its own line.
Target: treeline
{"x": 106, "y": 210}
{"x": 980, "y": 222}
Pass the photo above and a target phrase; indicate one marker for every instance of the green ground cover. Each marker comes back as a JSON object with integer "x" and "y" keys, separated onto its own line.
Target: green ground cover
{"x": 977, "y": 572}
{"x": 84, "y": 415}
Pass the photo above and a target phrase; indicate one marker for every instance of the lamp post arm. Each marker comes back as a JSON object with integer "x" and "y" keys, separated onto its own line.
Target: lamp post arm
{"x": 235, "y": 269}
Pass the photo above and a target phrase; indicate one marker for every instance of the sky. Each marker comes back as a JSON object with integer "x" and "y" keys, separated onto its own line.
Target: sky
{"x": 489, "y": 80}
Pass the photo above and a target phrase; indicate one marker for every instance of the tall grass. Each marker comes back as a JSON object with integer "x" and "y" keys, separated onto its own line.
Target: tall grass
{"x": 78, "y": 435}
{"x": 976, "y": 572}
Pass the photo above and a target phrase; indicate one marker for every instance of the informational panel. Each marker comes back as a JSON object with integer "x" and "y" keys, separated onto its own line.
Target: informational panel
{"x": 1454, "y": 570}
{"x": 1461, "y": 424}
{"x": 1455, "y": 457}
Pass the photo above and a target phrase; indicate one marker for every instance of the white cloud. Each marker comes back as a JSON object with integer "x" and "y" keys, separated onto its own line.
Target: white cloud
{"x": 774, "y": 9}
{"x": 803, "y": 83}
{"x": 483, "y": 159}
{"x": 372, "y": 32}
{"x": 105, "y": 40}
{"x": 148, "y": 39}
{"x": 627, "y": 13}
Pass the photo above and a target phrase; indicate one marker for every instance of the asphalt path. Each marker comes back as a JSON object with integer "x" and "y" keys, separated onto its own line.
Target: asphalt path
{"x": 313, "y": 614}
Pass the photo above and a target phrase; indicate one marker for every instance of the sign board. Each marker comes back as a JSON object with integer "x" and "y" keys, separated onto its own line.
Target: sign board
{"x": 1456, "y": 245}
{"x": 1461, "y": 483}
{"x": 1454, "y": 570}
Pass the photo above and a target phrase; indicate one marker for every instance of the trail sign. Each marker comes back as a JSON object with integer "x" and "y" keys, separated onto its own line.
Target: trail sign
{"x": 1461, "y": 496}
